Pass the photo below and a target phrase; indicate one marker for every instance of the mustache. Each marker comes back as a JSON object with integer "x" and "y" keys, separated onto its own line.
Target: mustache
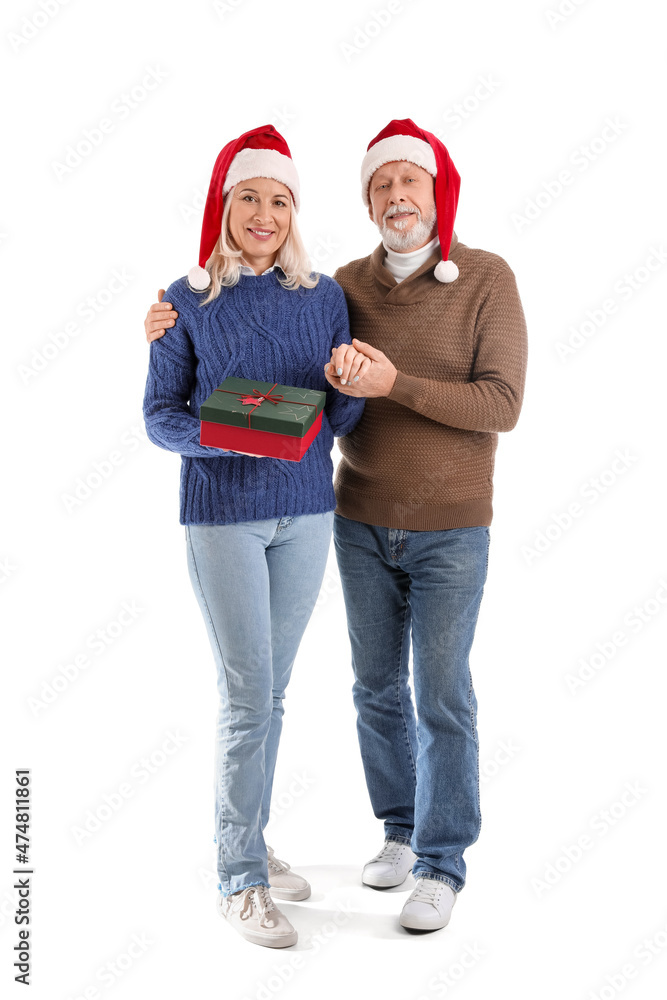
{"x": 400, "y": 210}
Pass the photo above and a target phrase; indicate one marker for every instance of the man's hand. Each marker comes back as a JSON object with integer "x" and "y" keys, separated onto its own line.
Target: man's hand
{"x": 159, "y": 317}
{"x": 376, "y": 372}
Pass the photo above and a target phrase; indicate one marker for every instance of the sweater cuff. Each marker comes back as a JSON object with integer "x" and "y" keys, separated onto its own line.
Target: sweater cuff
{"x": 406, "y": 390}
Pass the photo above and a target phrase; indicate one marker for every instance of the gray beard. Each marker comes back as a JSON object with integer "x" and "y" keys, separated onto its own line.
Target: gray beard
{"x": 413, "y": 238}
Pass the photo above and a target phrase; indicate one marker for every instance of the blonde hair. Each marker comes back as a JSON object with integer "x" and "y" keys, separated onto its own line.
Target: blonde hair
{"x": 224, "y": 264}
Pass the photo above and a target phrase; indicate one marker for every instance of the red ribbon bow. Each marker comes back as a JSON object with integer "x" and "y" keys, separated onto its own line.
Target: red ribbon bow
{"x": 263, "y": 396}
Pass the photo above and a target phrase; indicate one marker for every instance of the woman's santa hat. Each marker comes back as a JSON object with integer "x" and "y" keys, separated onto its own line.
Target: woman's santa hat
{"x": 262, "y": 152}
{"x": 403, "y": 140}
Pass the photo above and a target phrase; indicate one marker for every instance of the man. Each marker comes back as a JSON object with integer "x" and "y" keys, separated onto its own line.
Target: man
{"x": 439, "y": 351}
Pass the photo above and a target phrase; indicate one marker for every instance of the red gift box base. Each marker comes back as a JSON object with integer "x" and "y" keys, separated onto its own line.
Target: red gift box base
{"x": 260, "y": 442}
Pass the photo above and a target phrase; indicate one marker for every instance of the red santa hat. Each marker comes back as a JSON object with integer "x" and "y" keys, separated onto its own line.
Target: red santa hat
{"x": 403, "y": 140}
{"x": 262, "y": 152}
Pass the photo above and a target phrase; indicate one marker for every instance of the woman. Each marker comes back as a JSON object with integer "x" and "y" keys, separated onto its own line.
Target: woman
{"x": 257, "y": 529}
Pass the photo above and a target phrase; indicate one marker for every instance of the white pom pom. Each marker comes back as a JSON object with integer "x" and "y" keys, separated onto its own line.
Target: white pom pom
{"x": 199, "y": 278}
{"x": 446, "y": 271}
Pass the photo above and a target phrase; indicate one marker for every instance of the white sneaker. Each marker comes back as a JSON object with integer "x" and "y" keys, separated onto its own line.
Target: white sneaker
{"x": 389, "y": 867}
{"x": 285, "y": 884}
{"x": 429, "y": 905}
{"x": 256, "y": 917}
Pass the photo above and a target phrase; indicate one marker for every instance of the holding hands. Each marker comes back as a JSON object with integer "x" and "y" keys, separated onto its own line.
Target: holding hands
{"x": 358, "y": 369}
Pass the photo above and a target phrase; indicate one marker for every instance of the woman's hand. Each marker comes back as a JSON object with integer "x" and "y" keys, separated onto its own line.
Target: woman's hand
{"x": 248, "y": 453}
{"x": 347, "y": 364}
{"x": 159, "y": 317}
{"x": 375, "y": 373}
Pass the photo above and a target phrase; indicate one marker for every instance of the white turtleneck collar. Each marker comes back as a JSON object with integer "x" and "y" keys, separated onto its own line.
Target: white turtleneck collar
{"x": 401, "y": 265}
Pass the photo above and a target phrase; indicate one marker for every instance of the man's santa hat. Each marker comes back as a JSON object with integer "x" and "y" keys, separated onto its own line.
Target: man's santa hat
{"x": 262, "y": 152}
{"x": 403, "y": 140}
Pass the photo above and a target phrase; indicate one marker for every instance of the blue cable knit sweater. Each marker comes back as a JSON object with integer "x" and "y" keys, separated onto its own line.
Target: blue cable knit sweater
{"x": 257, "y": 330}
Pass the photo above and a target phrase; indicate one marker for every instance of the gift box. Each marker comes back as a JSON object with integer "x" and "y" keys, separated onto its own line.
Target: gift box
{"x": 263, "y": 418}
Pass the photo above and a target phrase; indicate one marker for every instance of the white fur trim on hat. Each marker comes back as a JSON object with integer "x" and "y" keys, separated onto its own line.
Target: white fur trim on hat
{"x": 446, "y": 271}
{"x": 263, "y": 163}
{"x": 395, "y": 147}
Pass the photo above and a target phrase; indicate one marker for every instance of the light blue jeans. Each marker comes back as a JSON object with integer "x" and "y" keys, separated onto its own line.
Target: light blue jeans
{"x": 422, "y": 768}
{"x": 256, "y": 583}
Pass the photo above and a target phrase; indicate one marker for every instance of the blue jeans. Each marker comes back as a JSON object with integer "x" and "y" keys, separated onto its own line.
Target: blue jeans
{"x": 256, "y": 583}
{"x": 422, "y": 773}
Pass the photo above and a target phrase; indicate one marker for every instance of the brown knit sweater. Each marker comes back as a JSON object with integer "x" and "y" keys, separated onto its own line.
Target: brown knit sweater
{"x": 422, "y": 458}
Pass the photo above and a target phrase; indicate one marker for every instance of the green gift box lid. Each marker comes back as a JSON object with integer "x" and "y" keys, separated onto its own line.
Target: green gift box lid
{"x": 293, "y": 414}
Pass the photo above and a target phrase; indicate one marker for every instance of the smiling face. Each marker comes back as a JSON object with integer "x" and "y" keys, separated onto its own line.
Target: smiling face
{"x": 259, "y": 220}
{"x": 402, "y": 205}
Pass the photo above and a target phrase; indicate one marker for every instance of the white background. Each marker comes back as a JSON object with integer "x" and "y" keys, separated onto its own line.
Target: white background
{"x": 529, "y": 920}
